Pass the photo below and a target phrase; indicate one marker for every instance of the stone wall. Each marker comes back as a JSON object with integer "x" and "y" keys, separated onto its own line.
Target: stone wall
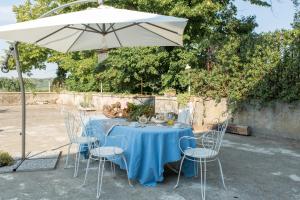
{"x": 166, "y": 104}
{"x": 205, "y": 114}
{"x": 276, "y": 120}
{"x": 99, "y": 100}
{"x": 279, "y": 119}
{"x": 14, "y": 98}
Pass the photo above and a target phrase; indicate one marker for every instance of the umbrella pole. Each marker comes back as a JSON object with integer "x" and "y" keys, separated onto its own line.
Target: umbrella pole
{"x": 15, "y": 53}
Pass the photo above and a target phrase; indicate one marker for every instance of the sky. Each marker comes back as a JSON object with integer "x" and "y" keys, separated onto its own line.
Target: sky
{"x": 279, "y": 16}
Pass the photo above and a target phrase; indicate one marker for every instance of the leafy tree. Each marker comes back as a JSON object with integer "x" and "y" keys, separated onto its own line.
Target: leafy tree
{"x": 12, "y": 85}
{"x": 134, "y": 70}
{"x": 297, "y": 14}
{"x": 254, "y": 67}
{"x": 209, "y": 21}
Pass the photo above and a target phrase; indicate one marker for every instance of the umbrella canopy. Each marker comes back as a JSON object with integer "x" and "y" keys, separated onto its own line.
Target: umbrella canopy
{"x": 98, "y": 28}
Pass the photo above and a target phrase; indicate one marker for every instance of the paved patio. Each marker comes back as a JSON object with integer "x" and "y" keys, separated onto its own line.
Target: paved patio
{"x": 254, "y": 168}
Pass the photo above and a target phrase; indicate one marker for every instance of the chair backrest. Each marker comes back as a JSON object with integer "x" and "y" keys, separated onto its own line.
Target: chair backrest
{"x": 73, "y": 126}
{"x": 213, "y": 140}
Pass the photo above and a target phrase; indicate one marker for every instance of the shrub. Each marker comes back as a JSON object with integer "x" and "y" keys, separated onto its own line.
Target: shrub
{"x": 5, "y": 159}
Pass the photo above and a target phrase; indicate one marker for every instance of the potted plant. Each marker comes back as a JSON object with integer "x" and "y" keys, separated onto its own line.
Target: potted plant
{"x": 5, "y": 159}
{"x": 87, "y": 105}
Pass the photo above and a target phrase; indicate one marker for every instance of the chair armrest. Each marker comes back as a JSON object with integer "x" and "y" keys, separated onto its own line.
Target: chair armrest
{"x": 186, "y": 138}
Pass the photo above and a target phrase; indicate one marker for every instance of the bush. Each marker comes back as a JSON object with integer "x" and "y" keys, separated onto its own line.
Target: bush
{"x": 5, "y": 159}
{"x": 13, "y": 85}
{"x": 261, "y": 67}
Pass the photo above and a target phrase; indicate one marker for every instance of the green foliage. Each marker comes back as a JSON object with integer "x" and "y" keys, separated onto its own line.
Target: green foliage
{"x": 135, "y": 111}
{"x": 227, "y": 58}
{"x": 208, "y": 22}
{"x": 82, "y": 69}
{"x": 12, "y": 85}
{"x": 297, "y": 14}
{"x": 134, "y": 70}
{"x": 5, "y": 159}
{"x": 254, "y": 67}
{"x": 183, "y": 99}
{"x": 60, "y": 78}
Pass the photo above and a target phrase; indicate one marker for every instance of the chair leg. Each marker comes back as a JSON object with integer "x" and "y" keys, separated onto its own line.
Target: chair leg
{"x": 179, "y": 172}
{"x": 113, "y": 169}
{"x": 77, "y": 162}
{"x": 204, "y": 181}
{"x": 124, "y": 159}
{"x": 196, "y": 168}
{"x": 67, "y": 159}
{"x": 86, "y": 170}
{"x": 76, "y": 157}
{"x": 99, "y": 187}
{"x": 221, "y": 171}
{"x": 201, "y": 178}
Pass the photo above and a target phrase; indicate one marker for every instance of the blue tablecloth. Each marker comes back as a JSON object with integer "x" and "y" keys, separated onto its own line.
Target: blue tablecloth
{"x": 149, "y": 149}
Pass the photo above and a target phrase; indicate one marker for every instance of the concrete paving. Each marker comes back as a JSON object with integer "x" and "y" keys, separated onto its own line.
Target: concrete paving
{"x": 255, "y": 168}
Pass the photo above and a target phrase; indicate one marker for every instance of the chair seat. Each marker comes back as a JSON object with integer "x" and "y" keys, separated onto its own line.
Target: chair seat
{"x": 85, "y": 140}
{"x": 106, "y": 151}
{"x": 200, "y": 153}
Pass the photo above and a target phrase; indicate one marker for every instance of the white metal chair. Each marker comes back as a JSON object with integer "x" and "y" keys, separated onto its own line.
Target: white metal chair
{"x": 208, "y": 151}
{"x": 105, "y": 153}
{"x": 76, "y": 134}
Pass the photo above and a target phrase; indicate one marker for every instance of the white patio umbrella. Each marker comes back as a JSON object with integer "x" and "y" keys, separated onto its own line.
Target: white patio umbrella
{"x": 99, "y": 28}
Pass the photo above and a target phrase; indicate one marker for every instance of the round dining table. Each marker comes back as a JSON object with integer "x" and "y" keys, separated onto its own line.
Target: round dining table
{"x": 148, "y": 148}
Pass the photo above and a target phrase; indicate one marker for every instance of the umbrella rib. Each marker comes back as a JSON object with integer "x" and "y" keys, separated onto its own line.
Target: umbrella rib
{"x": 158, "y": 35}
{"x": 162, "y": 28}
{"x": 88, "y": 26}
{"x": 80, "y": 29}
{"x": 112, "y": 27}
{"x": 45, "y": 37}
{"x": 99, "y": 27}
{"x": 76, "y": 40}
{"x": 133, "y": 24}
{"x": 60, "y": 39}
